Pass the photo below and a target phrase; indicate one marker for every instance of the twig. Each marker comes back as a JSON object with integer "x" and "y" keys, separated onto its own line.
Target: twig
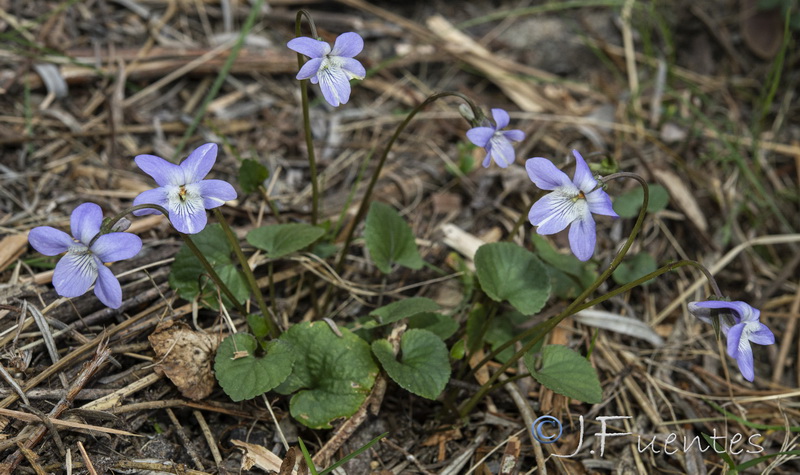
{"x": 85, "y": 375}
{"x": 13, "y": 383}
{"x": 75, "y": 356}
{"x": 408, "y": 455}
{"x": 529, "y": 417}
{"x": 212, "y": 444}
{"x": 275, "y": 421}
{"x": 86, "y": 460}
{"x": 185, "y": 440}
{"x": 48, "y": 423}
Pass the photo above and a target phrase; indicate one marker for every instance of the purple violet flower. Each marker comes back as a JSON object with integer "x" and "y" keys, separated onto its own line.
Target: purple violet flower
{"x": 744, "y": 328}
{"x": 82, "y": 265}
{"x": 331, "y": 68}
{"x": 570, "y": 203}
{"x": 182, "y": 190}
{"x": 496, "y": 141}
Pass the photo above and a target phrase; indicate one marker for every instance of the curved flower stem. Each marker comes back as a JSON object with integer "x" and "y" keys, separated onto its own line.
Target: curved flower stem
{"x": 312, "y": 160}
{"x": 544, "y": 328}
{"x": 189, "y": 243}
{"x": 362, "y": 209}
{"x": 273, "y": 329}
{"x": 662, "y": 270}
{"x": 109, "y": 225}
{"x": 212, "y": 273}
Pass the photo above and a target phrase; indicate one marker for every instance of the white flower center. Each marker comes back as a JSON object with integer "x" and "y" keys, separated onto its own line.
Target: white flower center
{"x": 749, "y": 329}
{"x": 83, "y": 258}
{"x": 184, "y": 199}
{"x": 330, "y": 64}
{"x": 572, "y": 202}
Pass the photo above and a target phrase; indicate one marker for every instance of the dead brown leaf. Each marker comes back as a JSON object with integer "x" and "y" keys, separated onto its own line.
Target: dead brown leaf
{"x": 185, "y": 357}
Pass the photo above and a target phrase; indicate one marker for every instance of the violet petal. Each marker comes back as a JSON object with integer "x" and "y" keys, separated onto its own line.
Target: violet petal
{"x": 583, "y": 178}
{"x": 113, "y": 247}
{"x": 582, "y": 237}
{"x": 107, "y": 288}
{"x": 347, "y": 45}
{"x": 189, "y": 222}
{"x": 335, "y": 86}
{"x": 216, "y": 192}
{"x": 480, "y": 136}
{"x": 199, "y": 163}
{"x": 501, "y": 118}
{"x": 310, "y": 69}
{"x": 49, "y": 241}
{"x": 353, "y": 68}
{"x": 85, "y": 222}
{"x": 545, "y": 175}
{"x": 156, "y": 196}
{"x": 551, "y": 214}
{"x": 309, "y": 47}
{"x": 600, "y": 203}
{"x": 74, "y": 274}
{"x": 162, "y": 171}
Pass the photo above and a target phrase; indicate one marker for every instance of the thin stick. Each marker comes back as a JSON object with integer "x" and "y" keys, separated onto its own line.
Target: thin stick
{"x": 83, "y": 378}
{"x": 86, "y": 460}
{"x": 212, "y": 444}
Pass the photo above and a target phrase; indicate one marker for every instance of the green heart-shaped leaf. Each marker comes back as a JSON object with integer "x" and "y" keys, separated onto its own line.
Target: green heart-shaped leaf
{"x": 242, "y": 375}
{"x": 403, "y": 308}
{"x": 252, "y": 175}
{"x": 634, "y": 268}
{"x": 628, "y": 204}
{"x": 568, "y": 275}
{"x": 333, "y": 375}
{"x": 566, "y": 372}
{"x": 282, "y": 239}
{"x": 440, "y": 325}
{"x": 389, "y": 239}
{"x": 424, "y": 366}
{"x": 509, "y": 272}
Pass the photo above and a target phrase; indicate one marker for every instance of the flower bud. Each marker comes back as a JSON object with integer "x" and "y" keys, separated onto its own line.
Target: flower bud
{"x": 120, "y": 226}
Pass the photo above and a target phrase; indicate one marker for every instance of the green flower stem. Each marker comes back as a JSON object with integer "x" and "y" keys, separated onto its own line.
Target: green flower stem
{"x": 273, "y": 299}
{"x": 312, "y": 160}
{"x": 212, "y": 273}
{"x": 273, "y": 329}
{"x": 544, "y": 328}
{"x": 663, "y": 270}
{"x": 106, "y": 228}
{"x": 517, "y": 225}
{"x": 270, "y": 203}
{"x": 362, "y": 209}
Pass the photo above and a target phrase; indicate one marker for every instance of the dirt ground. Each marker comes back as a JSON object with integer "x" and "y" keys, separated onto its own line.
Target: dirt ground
{"x": 699, "y": 98}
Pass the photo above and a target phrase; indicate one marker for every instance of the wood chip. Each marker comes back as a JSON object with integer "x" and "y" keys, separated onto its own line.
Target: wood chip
{"x": 11, "y": 247}
{"x": 256, "y": 455}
